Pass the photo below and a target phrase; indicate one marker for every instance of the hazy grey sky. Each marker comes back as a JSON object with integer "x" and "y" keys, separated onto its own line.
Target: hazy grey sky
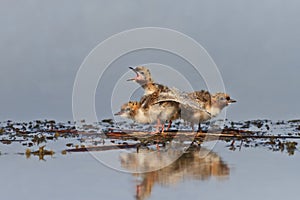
{"x": 254, "y": 43}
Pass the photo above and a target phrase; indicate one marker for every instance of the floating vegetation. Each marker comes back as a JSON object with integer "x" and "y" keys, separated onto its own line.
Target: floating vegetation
{"x": 108, "y": 121}
{"x": 294, "y": 121}
{"x": 69, "y": 144}
{"x": 64, "y": 152}
{"x": 106, "y": 135}
{"x": 41, "y": 153}
{"x": 38, "y": 139}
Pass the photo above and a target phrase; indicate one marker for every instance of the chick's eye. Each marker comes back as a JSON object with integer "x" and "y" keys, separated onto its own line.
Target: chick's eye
{"x": 227, "y": 98}
{"x": 142, "y": 73}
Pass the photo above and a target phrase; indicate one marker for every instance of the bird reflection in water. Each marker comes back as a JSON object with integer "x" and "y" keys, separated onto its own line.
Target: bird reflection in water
{"x": 194, "y": 164}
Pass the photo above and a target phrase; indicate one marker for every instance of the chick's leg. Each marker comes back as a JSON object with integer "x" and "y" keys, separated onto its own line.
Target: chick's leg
{"x": 199, "y": 128}
{"x": 169, "y": 125}
{"x": 158, "y": 125}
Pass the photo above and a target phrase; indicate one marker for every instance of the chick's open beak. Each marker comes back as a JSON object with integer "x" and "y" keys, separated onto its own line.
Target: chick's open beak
{"x": 137, "y": 74}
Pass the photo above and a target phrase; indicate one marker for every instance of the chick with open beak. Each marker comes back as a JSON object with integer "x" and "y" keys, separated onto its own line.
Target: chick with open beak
{"x": 143, "y": 75}
{"x": 152, "y": 92}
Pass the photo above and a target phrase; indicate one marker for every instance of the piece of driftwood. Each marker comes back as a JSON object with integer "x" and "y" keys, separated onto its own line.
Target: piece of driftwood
{"x": 72, "y": 131}
{"x": 10, "y": 141}
{"x": 224, "y": 134}
{"x": 104, "y": 148}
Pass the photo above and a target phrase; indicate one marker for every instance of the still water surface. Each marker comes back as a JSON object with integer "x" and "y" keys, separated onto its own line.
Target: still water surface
{"x": 249, "y": 173}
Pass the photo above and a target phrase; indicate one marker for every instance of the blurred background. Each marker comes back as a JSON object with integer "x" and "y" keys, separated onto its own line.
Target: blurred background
{"x": 255, "y": 45}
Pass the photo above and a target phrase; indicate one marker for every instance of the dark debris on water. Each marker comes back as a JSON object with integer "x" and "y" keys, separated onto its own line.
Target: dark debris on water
{"x": 278, "y": 136}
